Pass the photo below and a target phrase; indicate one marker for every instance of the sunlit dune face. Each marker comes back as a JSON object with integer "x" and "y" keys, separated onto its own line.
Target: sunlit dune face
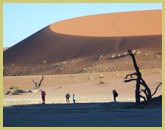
{"x": 113, "y": 24}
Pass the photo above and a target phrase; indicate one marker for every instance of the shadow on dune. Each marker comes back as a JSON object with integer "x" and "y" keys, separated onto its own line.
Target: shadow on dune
{"x": 52, "y": 47}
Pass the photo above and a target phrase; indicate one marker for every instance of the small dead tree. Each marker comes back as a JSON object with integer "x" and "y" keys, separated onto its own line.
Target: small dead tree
{"x": 37, "y": 86}
{"x": 140, "y": 82}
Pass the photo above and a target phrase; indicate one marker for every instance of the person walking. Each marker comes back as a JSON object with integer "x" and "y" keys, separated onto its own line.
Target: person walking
{"x": 74, "y": 98}
{"x": 43, "y": 93}
{"x": 67, "y": 98}
{"x": 115, "y": 94}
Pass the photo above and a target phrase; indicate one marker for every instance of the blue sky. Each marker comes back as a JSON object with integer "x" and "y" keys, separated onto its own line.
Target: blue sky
{"x": 20, "y": 20}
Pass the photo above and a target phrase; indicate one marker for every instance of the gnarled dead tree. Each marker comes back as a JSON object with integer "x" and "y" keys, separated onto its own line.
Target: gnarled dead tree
{"x": 19, "y": 91}
{"x": 37, "y": 86}
{"x": 15, "y": 92}
{"x": 139, "y": 82}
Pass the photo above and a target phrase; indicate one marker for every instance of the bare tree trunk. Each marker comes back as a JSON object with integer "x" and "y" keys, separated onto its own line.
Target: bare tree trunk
{"x": 140, "y": 81}
{"x": 137, "y": 91}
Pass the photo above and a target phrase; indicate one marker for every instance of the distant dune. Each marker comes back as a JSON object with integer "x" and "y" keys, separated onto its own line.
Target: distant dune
{"x": 5, "y": 48}
{"x": 86, "y": 43}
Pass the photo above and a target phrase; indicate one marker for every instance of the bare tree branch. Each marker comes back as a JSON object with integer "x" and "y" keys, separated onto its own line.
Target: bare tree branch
{"x": 37, "y": 86}
{"x": 41, "y": 80}
{"x": 129, "y": 80}
{"x": 148, "y": 95}
{"x": 35, "y": 83}
{"x": 145, "y": 92}
{"x": 135, "y": 64}
{"x": 130, "y": 75}
{"x": 156, "y": 89}
{"x": 143, "y": 98}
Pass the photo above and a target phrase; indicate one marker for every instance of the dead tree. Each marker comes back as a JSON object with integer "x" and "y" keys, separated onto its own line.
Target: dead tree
{"x": 139, "y": 82}
{"x": 19, "y": 91}
{"x": 37, "y": 86}
{"x": 15, "y": 92}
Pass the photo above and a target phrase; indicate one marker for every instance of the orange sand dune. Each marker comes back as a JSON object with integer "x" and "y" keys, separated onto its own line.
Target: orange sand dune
{"x": 84, "y": 39}
{"x": 113, "y": 24}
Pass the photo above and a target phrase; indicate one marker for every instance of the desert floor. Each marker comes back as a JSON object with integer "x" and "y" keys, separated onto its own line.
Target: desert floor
{"x": 94, "y": 104}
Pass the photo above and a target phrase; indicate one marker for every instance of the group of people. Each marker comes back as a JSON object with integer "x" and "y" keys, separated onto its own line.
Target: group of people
{"x": 68, "y": 96}
{"x": 43, "y": 94}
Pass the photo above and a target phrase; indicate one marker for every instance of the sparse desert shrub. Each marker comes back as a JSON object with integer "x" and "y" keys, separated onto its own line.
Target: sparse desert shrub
{"x": 125, "y": 53}
{"x": 113, "y": 55}
{"x": 45, "y": 61}
{"x": 90, "y": 77}
{"x": 101, "y": 57}
{"x": 118, "y": 55}
{"x": 97, "y": 67}
{"x": 133, "y": 51}
{"x": 60, "y": 87}
{"x": 159, "y": 71}
{"x": 102, "y": 76}
{"x": 145, "y": 54}
{"x": 157, "y": 56}
{"x": 14, "y": 87}
{"x": 138, "y": 52}
{"x": 84, "y": 69}
{"x": 102, "y": 82}
{"x": 156, "y": 71}
{"x": 63, "y": 63}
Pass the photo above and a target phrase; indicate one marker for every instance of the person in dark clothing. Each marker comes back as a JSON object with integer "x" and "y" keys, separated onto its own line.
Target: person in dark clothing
{"x": 115, "y": 94}
{"x": 67, "y": 98}
{"x": 43, "y": 93}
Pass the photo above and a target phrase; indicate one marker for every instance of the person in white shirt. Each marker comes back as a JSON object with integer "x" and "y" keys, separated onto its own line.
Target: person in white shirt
{"x": 74, "y": 98}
